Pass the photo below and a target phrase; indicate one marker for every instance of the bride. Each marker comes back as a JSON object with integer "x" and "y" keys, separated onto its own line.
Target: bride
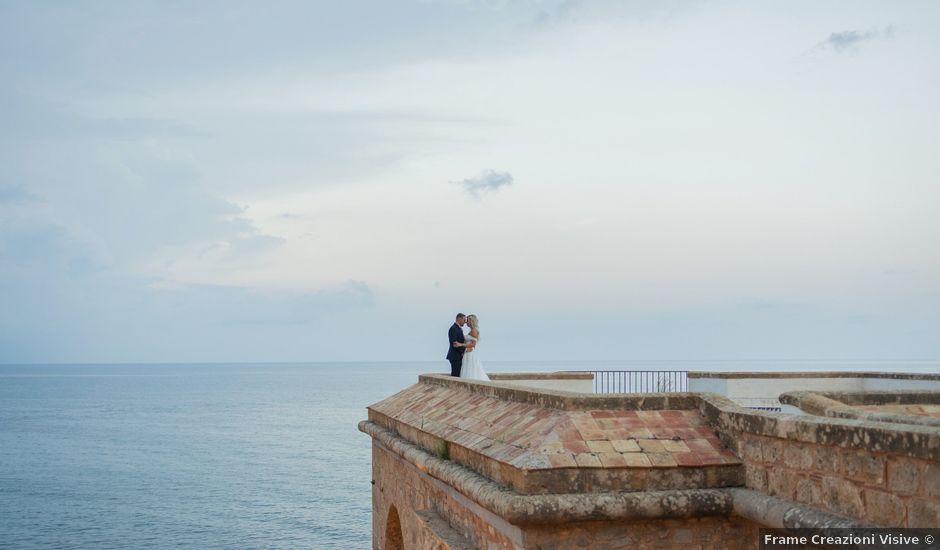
{"x": 471, "y": 367}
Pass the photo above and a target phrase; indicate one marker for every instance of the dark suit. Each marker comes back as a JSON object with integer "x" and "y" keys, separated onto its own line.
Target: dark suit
{"x": 455, "y": 355}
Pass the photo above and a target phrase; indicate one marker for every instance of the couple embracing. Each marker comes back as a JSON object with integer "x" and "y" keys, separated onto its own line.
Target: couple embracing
{"x": 463, "y": 360}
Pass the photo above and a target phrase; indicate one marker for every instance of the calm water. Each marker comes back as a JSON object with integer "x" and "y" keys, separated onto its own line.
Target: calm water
{"x": 212, "y": 456}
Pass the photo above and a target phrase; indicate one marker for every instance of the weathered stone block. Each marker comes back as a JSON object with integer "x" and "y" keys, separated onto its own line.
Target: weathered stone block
{"x": 903, "y": 476}
{"x": 884, "y": 508}
{"x": 827, "y": 460}
{"x": 841, "y": 496}
{"x": 864, "y": 467}
{"x": 755, "y": 477}
{"x": 772, "y": 451}
{"x": 683, "y": 536}
{"x": 781, "y": 482}
{"x": 694, "y": 533}
{"x": 932, "y": 479}
{"x": 798, "y": 457}
{"x": 923, "y": 513}
{"x": 809, "y": 491}
{"x": 750, "y": 451}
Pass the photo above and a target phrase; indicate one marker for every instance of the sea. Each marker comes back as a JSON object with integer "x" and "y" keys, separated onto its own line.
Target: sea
{"x": 219, "y": 455}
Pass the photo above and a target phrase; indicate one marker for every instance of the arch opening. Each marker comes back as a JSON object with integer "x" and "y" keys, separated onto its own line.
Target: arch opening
{"x": 394, "y": 539}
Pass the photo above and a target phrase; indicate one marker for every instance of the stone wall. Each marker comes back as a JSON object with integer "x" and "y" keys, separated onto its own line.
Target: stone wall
{"x": 879, "y": 473}
{"x": 400, "y": 484}
{"x": 691, "y": 533}
{"x": 432, "y": 515}
{"x": 881, "y": 488}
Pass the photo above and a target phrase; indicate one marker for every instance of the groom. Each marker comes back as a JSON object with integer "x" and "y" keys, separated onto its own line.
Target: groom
{"x": 455, "y": 344}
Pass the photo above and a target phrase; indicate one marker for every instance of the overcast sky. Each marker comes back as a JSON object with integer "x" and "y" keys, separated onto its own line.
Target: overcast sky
{"x": 304, "y": 181}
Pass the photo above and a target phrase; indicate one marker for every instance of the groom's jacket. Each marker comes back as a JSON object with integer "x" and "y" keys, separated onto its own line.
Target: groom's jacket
{"x": 454, "y": 335}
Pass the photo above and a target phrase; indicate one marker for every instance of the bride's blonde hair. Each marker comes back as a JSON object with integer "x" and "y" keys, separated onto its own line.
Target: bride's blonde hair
{"x": 473, "y": 322}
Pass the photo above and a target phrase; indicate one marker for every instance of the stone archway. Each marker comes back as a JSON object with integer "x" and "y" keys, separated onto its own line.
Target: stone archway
{"x": 394, "y": 539}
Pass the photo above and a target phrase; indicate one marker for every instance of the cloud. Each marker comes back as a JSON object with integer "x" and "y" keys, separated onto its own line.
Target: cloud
{"x": 841, "y": 41}
{"x": 219, "y": 305}
{"x": 487, "y": 181}
{"x": 31, "y": 117}
{"x": 850, "y": 40}
{"x": 352, "y": 294}
{"x": 62, "y": 295}
{"x": 16, "y": 194}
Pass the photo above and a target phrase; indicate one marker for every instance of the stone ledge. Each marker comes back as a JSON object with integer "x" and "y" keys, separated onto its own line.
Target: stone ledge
{"x": 844, "y": 405}
{"x": 563, "y": 375}
{"x": 785, "y": 514}
{"x": 902, "y": 439}
{"x": 899, "y": 397}
{"x": 567, "y": 401}
{"x": 816, "y": 374}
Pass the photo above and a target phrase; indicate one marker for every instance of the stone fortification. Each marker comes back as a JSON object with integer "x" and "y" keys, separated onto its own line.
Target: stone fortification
{"x": 462, "y": 464}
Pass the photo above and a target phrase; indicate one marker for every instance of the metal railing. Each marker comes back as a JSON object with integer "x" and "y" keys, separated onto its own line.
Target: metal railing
{"x": 640, "y": 381}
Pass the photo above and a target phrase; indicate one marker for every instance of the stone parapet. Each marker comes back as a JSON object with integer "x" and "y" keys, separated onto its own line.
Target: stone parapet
{"x": 897, "y": 407}
{"x": 562, "y": 375}
{"x": 567, "y": 401}
{"x": 731, "y": 421}
{"x": 871, "y": 471}
{"x": 777, "y": 375}
{"x": 762, "y": 389}
{"x": 579, "y": 382}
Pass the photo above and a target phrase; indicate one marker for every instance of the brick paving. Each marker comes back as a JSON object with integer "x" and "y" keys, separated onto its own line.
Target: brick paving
{"x": 531, "y": 437}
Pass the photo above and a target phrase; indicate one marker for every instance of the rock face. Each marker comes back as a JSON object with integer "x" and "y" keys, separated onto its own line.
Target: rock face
{"x": 464, "y": 464}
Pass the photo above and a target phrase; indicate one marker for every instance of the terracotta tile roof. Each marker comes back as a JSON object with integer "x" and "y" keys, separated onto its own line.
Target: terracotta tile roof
{"x": 529, "y": 437}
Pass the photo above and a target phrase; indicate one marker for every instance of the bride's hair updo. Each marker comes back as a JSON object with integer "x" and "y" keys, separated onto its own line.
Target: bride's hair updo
{"x": 473, "y": 322}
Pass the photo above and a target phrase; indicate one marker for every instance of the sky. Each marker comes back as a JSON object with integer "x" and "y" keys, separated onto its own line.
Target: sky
{"x": 333, "y": 181}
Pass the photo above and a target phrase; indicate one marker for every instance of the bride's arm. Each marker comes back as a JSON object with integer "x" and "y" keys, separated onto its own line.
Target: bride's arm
{"x": 476, "y": 335}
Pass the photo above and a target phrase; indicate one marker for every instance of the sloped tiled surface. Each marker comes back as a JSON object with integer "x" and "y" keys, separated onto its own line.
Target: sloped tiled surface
{"x": 530, "y": 437}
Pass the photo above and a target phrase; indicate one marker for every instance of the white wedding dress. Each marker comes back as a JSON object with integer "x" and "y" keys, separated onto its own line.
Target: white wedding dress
{"x": 472, "y": 367}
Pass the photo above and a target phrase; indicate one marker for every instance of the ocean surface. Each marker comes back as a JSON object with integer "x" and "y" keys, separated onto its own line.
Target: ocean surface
{"x": 218, "y": 455}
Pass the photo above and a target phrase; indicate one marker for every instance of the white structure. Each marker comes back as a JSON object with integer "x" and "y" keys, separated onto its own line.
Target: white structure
{"x": 581, "y": 382}
{"x": 762, "y": 389}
